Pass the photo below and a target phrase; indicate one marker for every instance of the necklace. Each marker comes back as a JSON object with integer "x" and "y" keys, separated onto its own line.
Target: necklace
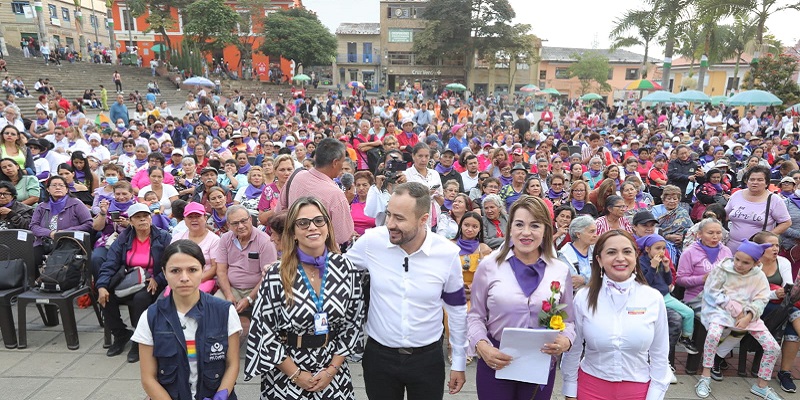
{"x": 313, "y": 275}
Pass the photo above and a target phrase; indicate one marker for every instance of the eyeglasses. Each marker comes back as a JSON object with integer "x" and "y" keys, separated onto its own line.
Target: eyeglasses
{"x": 303, "y": 223}
{"x": 241, "y": 222}
{"x": 5, "y": 194}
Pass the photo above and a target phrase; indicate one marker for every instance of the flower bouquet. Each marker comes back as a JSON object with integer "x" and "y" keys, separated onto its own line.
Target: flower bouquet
{"x": 553, "y": 315}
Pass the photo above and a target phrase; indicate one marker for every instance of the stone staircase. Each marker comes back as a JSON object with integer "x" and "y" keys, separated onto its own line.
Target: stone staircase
{"x": 73, "y": 79}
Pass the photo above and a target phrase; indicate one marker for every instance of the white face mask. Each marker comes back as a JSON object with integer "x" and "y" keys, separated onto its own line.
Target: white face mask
{"x": 121, "y": 125}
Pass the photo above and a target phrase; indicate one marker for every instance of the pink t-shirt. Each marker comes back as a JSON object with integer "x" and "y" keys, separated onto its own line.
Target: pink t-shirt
{"x": 208, "y": 245}
{"x": 360, "y": 220}
{"x": 139, "y": 254}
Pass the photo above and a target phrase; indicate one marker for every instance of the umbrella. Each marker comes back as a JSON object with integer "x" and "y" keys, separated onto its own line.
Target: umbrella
{"x": 355, "y": 84}
{"x": 198, "y": 81}
{"x": 719, "y": 99}
{"x": 301, "y": 77}
{"x": 795, "y": 108}
{"x": 529, "y": 88}
{"x": 552, "y": 91}
{"x": 455, "y": 86}
{"x": 102, "y": 119}
{"x": 755, "y": 98}
{"x": 158, "y": 48}
{"x": 659, "y": 96}
{"x": 692, "y": 96}
{"x": 643, "y": 84}
{"x": 591, "y": 96}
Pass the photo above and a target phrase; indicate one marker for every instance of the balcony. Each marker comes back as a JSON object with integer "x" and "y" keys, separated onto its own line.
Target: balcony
{"x": 353, "y": 58}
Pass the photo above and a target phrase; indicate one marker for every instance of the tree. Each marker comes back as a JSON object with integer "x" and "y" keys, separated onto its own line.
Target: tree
{"x": 590, "y": 67}
{"x": 252, "y": 15}
{"x": 212, "y": 24}
{"x": 159, "y": 16}
{"x": 688, "y": 45}
{"x": 462, "y": 29}
{"x": 299, "y": 35}
{"x": 671, "y": 13}
{"x": 636, "y": 28}
{"x": 774, "y": 74}
{"x": 738, "y": 39}
{"x": 713, "y": 50}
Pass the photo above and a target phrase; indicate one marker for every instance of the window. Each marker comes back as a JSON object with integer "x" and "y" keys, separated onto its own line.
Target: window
{"x": 367, "y": 52}
{"x": 401, "y": 58}
{"x": 128, "y": 24}
{"x": 18, "y": 7}
{"x": 401, "y": 35}
{"x": 53, "y": 11}
{"x": 523, "y": 66}
{"x": 631, "y": 74}
{"x": 245, "y": 26}
{"x": 610, "y": 73}
{"x": 93, "y": 21}
{"x": 398, "y": 12}
{"x": 543, "y": 74}
{"x": 562, "y": 73}
{"x": 65, "y": 13}
{"x": 732, "y": 84}
{"x": 352, "y": 52}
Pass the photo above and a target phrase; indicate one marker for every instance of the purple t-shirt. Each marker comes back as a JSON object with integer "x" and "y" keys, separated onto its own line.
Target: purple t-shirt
{"x": 747, "y": 218}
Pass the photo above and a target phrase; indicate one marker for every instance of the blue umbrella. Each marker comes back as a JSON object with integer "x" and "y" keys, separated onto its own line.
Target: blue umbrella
{"x": 755, "y": 98}
{"x": 660, "y": 96}
{"x": 198, "y": 81}
{"x": 692, "y": 96}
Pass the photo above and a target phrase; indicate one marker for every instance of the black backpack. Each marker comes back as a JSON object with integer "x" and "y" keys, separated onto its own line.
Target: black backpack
{"x": 64, "y": 267}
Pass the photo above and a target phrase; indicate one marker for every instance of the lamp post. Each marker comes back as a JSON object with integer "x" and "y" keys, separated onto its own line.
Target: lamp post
{"x": 94, "y": 21}
{"x": 41, "y": 17}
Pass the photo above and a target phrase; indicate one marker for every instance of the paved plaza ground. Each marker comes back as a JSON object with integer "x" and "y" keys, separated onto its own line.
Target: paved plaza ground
{"x": 46, "y": 370}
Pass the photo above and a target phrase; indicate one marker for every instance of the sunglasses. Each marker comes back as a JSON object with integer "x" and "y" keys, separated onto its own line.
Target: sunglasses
{"x": 303, "y": 223}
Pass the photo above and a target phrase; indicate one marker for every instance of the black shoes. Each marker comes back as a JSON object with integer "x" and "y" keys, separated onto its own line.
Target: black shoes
{"x": 133, "y": 354}
{"x": 688, "y": 344}
{"x": 119, "y": 344}
{"x": 716, "y": 370}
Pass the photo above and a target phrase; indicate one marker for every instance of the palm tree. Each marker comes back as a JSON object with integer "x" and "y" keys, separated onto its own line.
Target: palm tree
{"x": 636, "y": 28}
{"x": 670, "y": 13}
{"x": 689, "y": 42}
{"x": 713, "y": 50}
{"x": 739, "y": 38}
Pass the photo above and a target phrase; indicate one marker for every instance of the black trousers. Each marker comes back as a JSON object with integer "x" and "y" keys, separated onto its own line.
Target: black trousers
{"x": 389, "y": 374}
{"x": 137, "y": 304}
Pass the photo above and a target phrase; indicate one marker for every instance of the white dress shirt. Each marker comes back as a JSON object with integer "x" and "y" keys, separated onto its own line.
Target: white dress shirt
{"x": 406, "y": 307}
{"x": 619, "y": 338}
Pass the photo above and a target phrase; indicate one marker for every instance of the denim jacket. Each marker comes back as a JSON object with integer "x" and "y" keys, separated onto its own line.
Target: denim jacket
{"x": 169, "y": 346}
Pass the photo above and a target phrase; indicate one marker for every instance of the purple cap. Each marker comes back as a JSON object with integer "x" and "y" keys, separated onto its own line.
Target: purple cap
{"x": 649, "y": 240}
{"x": 754, "y": 250}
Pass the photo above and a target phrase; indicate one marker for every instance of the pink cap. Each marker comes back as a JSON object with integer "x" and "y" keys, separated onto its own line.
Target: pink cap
{"x": 194, "y": 208}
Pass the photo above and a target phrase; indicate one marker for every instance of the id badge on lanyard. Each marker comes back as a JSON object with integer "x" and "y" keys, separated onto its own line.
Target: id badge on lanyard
{"x": 320, "y": 317}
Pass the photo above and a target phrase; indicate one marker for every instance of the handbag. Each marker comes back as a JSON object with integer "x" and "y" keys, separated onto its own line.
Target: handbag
{"x": 134, "y": 280}
{"x": 698, "y": 209}
{"x": 12, "y": 272}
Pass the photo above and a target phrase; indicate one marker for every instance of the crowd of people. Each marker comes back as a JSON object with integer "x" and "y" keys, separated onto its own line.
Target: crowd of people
{"x": 301, "y": 226}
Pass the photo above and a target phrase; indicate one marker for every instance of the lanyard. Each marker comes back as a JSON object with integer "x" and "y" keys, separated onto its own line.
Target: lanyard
{"x": 317, "y": 299}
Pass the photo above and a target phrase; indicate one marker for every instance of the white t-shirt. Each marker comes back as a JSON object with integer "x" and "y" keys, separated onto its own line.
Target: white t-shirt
{"x": 167, "y": 191}
{"x": 144, "y": 335}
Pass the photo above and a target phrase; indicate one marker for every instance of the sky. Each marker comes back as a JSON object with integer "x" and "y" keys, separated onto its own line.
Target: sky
{"x": 559, "y": 27}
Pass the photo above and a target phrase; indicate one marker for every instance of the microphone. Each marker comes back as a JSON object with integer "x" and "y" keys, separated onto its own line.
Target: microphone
{"x": 405, "y": 264}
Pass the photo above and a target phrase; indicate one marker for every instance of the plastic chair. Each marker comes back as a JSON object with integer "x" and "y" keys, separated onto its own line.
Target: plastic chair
{"x": 65, "y": 301}
{"x": 20, "y": 246}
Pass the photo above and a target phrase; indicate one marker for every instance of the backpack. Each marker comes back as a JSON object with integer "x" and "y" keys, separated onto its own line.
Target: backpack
{"x": 64, "y": 267}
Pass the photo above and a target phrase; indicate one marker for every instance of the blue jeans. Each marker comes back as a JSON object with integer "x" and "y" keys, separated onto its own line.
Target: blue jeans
{"x": 685, "y": 311}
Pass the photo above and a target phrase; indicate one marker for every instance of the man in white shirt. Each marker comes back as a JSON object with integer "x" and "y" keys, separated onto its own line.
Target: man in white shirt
{"x": 413, "y": 275}
{"x": 748, "y": 124}
{"x": 470, "y": 176}
{"x": 713, "y": 120}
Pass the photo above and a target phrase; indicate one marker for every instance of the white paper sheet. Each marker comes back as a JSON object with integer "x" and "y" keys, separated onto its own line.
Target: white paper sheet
{"x": 524, "y": 345}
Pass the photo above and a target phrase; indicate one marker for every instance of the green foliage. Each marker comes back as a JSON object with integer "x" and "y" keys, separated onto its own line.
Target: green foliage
{"x": 299, "y": 35}
{"x": 636, "y": 28}
{"x": 188, "y": 57}
{"x": 591, "y": 67}
{"x": 211, "y": 23}
{"x": 774, "y": 74}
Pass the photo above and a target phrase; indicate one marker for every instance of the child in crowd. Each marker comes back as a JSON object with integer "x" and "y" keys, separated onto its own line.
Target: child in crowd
{"x": 656, "y": 267}
{"x": 734, "y": 298}
{"x": 151, "y": 199}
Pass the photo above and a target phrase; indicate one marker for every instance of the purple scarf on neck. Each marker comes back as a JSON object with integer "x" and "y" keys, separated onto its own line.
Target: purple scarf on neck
{"x": 442, "y": 169}
{"x": 505, "y": 181}
{"x": 595, "y": 174}
{"x": 219, "y": 222}
{"x": 244, "y": 170}
{"x": 253, "y": 192}
{"x": 553, "y": 195}
{"x": 578, "y": 205}
{"x": 795, "y": 199}
{"x": 448, "y": 204}
{"x": 640, "y": 196}
{"x": 711, "y": 252}
{"x": 56, "y": 206}
{"x": 528, "y": 276}
{"x": 139, "y": 164}
{"x": 317, "y": 262}
{"x": 117, "y": 206}
{"x": 468, "y": 246}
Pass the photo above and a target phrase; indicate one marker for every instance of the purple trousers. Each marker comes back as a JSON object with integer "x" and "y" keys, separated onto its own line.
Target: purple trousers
{"x": 491, "y": 388}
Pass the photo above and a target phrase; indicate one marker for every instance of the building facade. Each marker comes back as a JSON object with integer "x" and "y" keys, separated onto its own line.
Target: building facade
{"x": 358, "y": 55}
{"x": 64, "y": 22}
{"x": 721, "y": 79}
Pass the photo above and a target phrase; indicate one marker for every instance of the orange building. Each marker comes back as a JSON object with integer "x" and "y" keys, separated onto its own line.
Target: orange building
{"x": 130, "y": 32}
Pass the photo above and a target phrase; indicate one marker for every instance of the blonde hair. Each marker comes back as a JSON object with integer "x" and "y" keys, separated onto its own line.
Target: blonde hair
{"x": 289, "y": 260}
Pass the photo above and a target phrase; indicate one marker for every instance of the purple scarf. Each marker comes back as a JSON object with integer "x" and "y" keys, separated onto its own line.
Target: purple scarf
{"x": 505, "y": 181}
{"x": 139, "y": 164}
{"x": 317, "y": 262}
{"x": 711, "y": 252}
{"x": 253, "y": 192}
{"x": 528, "y": 276}
{"x": 717, "y": 186}
{"x": 409, "y": 134}
{"x": 56, "y": 206}
{"x": 553, "y": 195}
{"x": 442, "y": 169}
{"x": 795, "y": 199}
{"x": 595, "y": 174}
{"x": 117, "y": 206}
{"x": 578, "y": 205}
{"x": 640, "y": 196}
{"x": 79, "y": 175}
{"x": 244, "y": 170}
{"x": 219, "y": 222}
{"x": 468, "y": 246}
{"x": 448, "y": 204}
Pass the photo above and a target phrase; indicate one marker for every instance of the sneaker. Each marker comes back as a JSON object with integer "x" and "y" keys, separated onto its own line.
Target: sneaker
{"x": 672, "y": 378}
{"x": 688, "y": 344}
{"x": 703, "y": 387}
{"x": 787, "y": 384}
{"x": 119, "y": 343}
{"x": 716, "y": 371}
{"x": 765, "y": 393}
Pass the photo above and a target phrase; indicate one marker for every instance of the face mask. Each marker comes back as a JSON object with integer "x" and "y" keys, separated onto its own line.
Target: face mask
{"x": 616, "y": 148}
{"x": 121, "y": 125}
{"x": 624, "y": 147}
{"x": 738, "y": 152}
{"x": 111, "y": 180}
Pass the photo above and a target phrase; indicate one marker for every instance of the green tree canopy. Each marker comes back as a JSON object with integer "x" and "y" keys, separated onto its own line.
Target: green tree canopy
{"x": 299, "y": 35}
{"x": 636, "y": 28}
{"x": 591, "y": 67}
{"x": 159, "y": 17}
{"x": 211, "y": 23}
{"x": 774, "y": 74}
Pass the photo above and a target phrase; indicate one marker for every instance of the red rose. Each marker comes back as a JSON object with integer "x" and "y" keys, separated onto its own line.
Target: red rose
{"x": 546, "y": 306}
{"x": 555, "y": 286}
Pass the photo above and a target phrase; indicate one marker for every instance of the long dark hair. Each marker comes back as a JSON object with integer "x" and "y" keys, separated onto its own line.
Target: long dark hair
{"x": 184, "y": 246}
{"x": 596, "y": 280}
{"x": 87, "y": 170}
{"x": 471, "y": 214}
{"x": 3, "y": 176}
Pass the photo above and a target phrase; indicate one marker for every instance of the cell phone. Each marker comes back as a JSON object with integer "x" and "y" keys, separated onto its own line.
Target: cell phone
{"x": 114, "y": 214}
{"x": 436, "y": 186}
